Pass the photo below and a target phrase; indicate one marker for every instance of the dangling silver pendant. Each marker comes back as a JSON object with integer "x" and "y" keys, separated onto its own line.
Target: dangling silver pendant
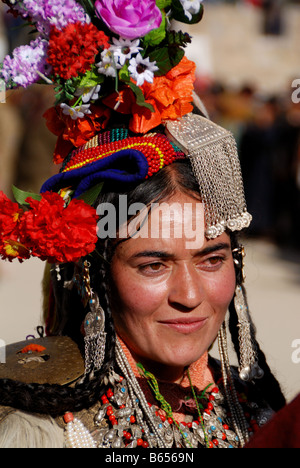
{"x": 249, "y": 368}
{"x": 95, "y": 336}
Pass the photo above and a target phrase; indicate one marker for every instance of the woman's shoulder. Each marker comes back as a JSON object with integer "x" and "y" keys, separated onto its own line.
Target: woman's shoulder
{"x": 19, "y": 429}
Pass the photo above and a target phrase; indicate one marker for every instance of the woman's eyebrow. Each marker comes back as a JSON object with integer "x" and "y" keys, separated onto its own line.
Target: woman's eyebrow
{"x": 154, "y": 253}
{"x": 168, "y": 256}
{"x": 214, "y": 248}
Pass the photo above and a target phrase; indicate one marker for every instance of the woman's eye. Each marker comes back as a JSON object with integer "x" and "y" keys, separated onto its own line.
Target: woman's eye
{"x": 212, "y": 262}
{"x": 215, "y": 260}
{"x": 152, "y": 267}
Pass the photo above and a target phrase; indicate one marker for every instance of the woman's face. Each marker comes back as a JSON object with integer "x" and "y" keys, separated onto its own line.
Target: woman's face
{"x": 170, "y": 295}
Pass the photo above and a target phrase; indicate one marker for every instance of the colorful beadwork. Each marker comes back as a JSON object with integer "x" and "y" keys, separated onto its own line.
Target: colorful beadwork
{"x": 118, "y": 424}
{"x": 156, "y": 148}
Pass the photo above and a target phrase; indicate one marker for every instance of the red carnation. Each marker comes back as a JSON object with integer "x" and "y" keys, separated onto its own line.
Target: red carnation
{"x": 59, "y": 234}
{"x": 73, "y": 50}
{"x": 9, "y": 215}
{"x": 9, "y": 229}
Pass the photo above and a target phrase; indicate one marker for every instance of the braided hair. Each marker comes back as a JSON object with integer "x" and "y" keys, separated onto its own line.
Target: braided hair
{"x": 55, "y": 400}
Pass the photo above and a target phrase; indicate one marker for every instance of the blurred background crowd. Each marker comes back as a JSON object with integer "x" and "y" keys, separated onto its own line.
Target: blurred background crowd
{"x": 267, "y": 130}
{"x": 248, "y": 72}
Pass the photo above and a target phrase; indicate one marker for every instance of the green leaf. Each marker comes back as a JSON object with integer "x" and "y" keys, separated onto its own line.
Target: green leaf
{"x": 178, "y": 38}
{"x": 156, "y": 36}
{"x": 140, "y": 99}
{"x": 162, "y": 4}
{"x": 91, "y": 195}
{"x": 69, "y": 96}
{"x": 166, "y": 58}
{"x": 21, "y": 196}
{"x": 124, "y": 74}
{"x": 91, "y": 79}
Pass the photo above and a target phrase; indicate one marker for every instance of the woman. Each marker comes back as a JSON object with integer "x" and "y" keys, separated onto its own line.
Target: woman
{"x": 154, "y": 291}
{"x": 164, "y": 305}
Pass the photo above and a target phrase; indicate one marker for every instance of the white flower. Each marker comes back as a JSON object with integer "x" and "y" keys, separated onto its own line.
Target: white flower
{"x": 123, "y": 49}
{"x": 142, "y": 70}
{"x": 191, "y": 7}
{"x": 88, "y": 93}
{"x": 107, "y": 65}
{"x": 76, "y": 112}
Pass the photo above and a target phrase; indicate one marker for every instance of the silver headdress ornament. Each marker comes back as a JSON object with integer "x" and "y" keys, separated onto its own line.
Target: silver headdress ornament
{"x": 213, "y": 153}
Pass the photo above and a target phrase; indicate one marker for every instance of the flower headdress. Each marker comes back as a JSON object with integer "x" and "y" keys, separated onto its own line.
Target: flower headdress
{"x": 110, "y": 61}
{"x": 102, "y": 57}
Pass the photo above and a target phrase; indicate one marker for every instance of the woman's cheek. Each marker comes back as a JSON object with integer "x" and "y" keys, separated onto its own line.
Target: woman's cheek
{"x": 138, "y": 297}
{"x": 220, "y": 288}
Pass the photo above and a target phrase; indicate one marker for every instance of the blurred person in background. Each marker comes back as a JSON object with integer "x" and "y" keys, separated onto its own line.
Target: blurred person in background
{"x": 11, "y": 125}
{"x": 25, "y": 140}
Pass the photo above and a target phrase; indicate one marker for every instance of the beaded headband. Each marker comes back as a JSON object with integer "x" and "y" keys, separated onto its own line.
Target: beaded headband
{"x": 114, "y": 156}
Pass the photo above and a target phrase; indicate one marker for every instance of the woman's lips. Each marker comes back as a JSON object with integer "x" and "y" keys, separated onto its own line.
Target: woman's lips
{"x": 185, "y": 325}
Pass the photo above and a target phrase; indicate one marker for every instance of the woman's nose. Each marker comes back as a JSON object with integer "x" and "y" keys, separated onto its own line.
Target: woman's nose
{"x": 185, "y": 291}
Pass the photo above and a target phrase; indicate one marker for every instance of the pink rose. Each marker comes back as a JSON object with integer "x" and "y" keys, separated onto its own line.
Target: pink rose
{"x": 129, "y": 18}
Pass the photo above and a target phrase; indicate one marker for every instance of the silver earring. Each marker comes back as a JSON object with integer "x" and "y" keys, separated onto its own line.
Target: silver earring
{"x": 248, "y": 365}
{"x": 95, "y": 337}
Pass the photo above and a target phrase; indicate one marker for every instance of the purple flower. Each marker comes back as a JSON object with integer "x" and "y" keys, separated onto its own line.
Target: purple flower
{"x": 47, "y": 13}
{"x": 129, "y": 18}
{"x": 26, "y": 65}
{"x": 60, "y": 13}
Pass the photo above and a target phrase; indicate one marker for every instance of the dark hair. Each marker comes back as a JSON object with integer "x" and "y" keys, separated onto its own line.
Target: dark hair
{"x": 56, "y": 400}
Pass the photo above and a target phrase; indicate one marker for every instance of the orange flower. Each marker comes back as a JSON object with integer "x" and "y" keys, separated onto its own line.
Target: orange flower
{"x": 170, "y": 95}
{"x": 33, "y": 348}
{"x": 121, "y": 101}
{"x": 143, "y": 120}
{"x": 74, "y": 132}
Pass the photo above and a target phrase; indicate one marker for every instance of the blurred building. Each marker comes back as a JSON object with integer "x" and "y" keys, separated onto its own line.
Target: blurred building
{"x": 248, "y": 41}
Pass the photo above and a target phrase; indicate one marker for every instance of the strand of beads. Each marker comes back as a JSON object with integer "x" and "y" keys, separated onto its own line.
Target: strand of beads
{"x": 142, "y": 405}
{"x": 126, "y": 416}
{"x": 76, "y": 434}
{"x": 157, "y": 150}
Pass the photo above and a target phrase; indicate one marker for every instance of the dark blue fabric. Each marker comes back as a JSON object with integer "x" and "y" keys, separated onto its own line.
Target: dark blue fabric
{"x": 124, "y": 166}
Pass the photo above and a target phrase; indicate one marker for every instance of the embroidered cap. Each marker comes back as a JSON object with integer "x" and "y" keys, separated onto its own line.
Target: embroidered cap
{"x": 114, "y": 156}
